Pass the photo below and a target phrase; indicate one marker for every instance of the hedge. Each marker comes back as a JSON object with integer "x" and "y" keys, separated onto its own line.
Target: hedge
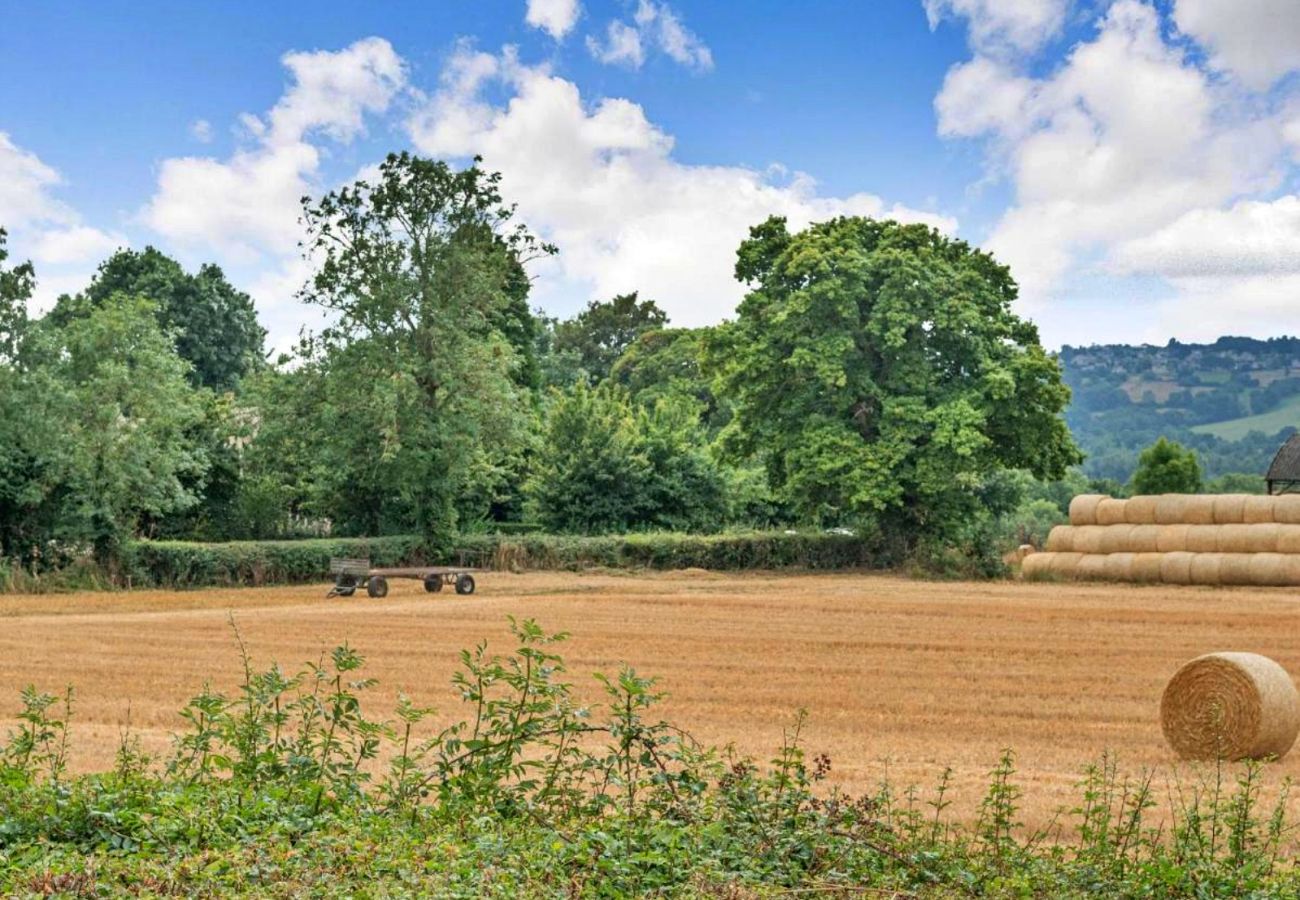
{"x": 186, "y": 564}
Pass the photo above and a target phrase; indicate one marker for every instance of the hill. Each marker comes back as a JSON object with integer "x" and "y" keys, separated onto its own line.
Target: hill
{"x": 1233, "y": 401}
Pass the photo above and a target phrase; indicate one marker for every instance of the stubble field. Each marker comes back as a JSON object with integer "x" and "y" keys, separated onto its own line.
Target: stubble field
{"x": 900, "y": 678}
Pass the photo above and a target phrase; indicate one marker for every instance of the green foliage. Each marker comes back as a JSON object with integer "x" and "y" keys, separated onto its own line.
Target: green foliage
{"x": 1166, "y": 467}
{"x": 604, "y": 466}
{"x": 274, "y": 790}
{"x": 599, "y": 334}
{"x": 1236, "y": 483}
{"x": 214, "y": 325}
{"x": 880, "y": 374}
{"x": 16, "y": 286}
{"x": 418, "y": 379}
{"x": 665, "y": 364}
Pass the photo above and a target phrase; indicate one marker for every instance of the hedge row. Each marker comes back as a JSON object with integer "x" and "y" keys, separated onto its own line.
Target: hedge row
{"x": 185, "y": 564}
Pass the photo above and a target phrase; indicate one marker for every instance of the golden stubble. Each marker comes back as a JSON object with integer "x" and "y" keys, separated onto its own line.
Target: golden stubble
{"x": 899, "y": 677}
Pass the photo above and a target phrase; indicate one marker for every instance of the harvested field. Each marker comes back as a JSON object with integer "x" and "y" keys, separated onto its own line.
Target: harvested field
{"x": 897, "y": 675}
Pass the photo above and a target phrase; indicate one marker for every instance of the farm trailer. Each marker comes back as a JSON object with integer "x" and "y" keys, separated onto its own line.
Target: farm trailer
{"x": 350, "y": 574}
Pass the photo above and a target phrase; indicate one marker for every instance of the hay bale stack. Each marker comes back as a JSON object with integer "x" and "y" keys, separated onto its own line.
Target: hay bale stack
{"x": 1235, "y": 569}
{"x": 1259, "y": 509}
{"x": 1170, "y": 509}
{"x": 1111, "y": 511}
{"x": 1198, "y": 509}
{"x": 1118, "y": 566}
{"x": 1202, "y": 538}
{"x": 1269, "y": 570}
{"x": 1083, "y": 509}
{"x": 1037, "y": 565}
{"x": 1230, "y": 706}
{"x": 1171, "y": 538}
{"x": 1141, "y": 510}
{"x": 1116, "y": 538}
{"x": 1230, "y": 509}
{"x": 1064, "y": 565}
{"x": 1088, "y": 539}
{"x": 1262, "y": 538}
{"x": 1288, "y": 538}
{"x": 1060, "y": 539}
{"x": 1092, "y": 567}
{"x": 1286, "y": 509}
{"x": 1146, "y": 567}
{"x": 1144, "y": 539}
{"x": 1176, "y": 567}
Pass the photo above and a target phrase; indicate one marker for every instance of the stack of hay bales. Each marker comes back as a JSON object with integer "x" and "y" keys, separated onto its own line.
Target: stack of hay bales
{"x": 1235, "y": 539}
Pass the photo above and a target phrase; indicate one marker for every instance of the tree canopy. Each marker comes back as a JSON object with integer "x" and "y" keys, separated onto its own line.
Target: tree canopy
{"x": 600, "y": 333}
{"x": 1167, "y": 467}
{"x": 880, "y": 372}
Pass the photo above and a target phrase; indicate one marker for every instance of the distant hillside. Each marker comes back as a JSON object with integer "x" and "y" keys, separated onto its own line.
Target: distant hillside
{"x": 1234, "y": 401}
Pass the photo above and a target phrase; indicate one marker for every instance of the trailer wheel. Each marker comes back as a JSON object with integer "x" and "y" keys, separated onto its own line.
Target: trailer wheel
{"x": 345, "y": 591}
{"x": 465, "y": 584}
{"x": 377, "y": 586}
{"x": 433, "y": 583}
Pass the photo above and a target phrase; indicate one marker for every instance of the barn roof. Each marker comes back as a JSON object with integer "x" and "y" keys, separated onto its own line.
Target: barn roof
{"x": 1286, "y": 464}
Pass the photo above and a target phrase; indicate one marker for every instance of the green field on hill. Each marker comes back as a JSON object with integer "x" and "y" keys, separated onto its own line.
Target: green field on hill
{"x": 1270, "y": 422}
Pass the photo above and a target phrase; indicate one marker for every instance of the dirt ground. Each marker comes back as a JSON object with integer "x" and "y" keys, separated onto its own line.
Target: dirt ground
{"x": 899, "y": 677}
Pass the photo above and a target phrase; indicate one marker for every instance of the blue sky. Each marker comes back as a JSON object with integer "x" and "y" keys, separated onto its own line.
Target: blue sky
{"x": 1135, "y": 163}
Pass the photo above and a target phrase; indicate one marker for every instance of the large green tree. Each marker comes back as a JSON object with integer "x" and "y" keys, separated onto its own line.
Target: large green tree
{"x": 214, "y": 325}
{"x": 599, "y": 334}
{"x": 422, "y": 268}
{"x": 879, "y": 372}
{"x": 1167, "y": 467}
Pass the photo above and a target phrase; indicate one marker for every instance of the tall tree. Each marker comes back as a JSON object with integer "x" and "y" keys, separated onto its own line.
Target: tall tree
{"x": 1167, "y": 467}
{"x": 878, "y": 370}
{"x": 601, "y": 332}
{"x": 422, "y": 268}
{"x": 214, "y": 325}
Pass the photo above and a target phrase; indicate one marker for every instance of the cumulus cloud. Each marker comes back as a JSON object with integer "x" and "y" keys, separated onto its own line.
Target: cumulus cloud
{"x": 1003, "y": 26}
{"x": 1123, "y": 159}
{"x": 1257, "y": 40}
{"x": 654, "y": 24}
{"x": 26, "y": 186}
{"x": 600, "y": 180}
{"x": 75, "y": 244}
{"x": 201, "y": 131}
{"x": 555, "y": 17}
{"x": 246, "y": 206}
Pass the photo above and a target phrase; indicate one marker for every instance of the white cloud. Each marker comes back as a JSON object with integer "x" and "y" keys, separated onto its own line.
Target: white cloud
{"x": 1003, "y": 26}
{"x": 1251, "y": 238}
{"x": 201, "y": 131}
{"x": 247, "y": 206}
{"x": 600, "y": 181}
{"x": 75, "y": 244}
{"x": 1123, "y": 139}
{"x": 25, "y": 189}
{"x": 555, "y": 17}
{"x": 1257, "y": 40}
{"x": 654, "y": 24}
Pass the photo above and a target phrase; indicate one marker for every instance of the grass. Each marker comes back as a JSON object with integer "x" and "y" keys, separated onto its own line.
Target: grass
{"x": 1286, "y": 415}
{"x": 898, "y": 676}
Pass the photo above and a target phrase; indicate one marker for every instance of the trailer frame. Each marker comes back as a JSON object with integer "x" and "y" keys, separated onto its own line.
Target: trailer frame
{"x": 351, "y": 574}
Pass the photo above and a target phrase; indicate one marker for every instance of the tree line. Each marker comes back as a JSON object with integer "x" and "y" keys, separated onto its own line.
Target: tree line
{"x": 874, "y": 377}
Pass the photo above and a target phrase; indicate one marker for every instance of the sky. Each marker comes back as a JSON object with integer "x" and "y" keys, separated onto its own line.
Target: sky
{"x": 1136, "y": 164}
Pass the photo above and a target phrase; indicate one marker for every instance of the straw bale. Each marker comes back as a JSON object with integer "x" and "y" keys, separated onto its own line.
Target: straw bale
{"x": 1207, "y": 568}
{"x": 1088, "y": 539}
{"x": 1146, "y": 567}
{"x": 1115, "y": 538}
{"x": 1176, "y": 567}
{"x": 1060, "y": 538}
{"x": 1268, "y": 570}
{"x": 1230, "y": 706}
{"x": 1259, "y": 509}
{"x": 1259, "y": 538}
{"x": 1286, "y": 509}
{"x": 1092, "y": 567}
{"x": 1111, "y": 511}
{"x": 1171, "y": 538}
{"x": 1171, "y": 509}
{"x": 1083, "y": 509}
{"x": 1229, "y": 509}
{"x": 1063, "y": 565}
{"x": 1198, "y": 509}
{"x": 1119, "y": 566}
{"x": 1145, "y": 538}
{"x": 1235, "y": 568}
{"x": 1203, "y": 538}
{"x": 1288, "y": 539}
{"x": 1141, "y": 510}
{"x": 1036, "y": 565}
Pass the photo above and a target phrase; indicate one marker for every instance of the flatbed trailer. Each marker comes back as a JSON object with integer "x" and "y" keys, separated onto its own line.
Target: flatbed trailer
{"x": 350, "y": 574}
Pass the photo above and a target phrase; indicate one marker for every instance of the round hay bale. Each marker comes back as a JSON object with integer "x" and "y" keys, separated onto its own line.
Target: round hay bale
{"x": 1024, "y": 550}
{"x": 1119, "y": 566}
{"x": 1145, "y": 538}
{"x": 1037, "y": 565}
{"x": 1206, "y": 568}
{"x": 1268, "y": 570}
{"x": 1146, "y": 567}
{"x": 1111, "y": 511}
{"x": 1288, "y": 539}
{"x": 1141, "y": 510}
{"x": 1088, "y": 539}
{"x": 1092, "y": 567}
{"x": 1203, "y": 538}
{"x": 1292, "y": 566}
{"x": 1060, "y": 538}
{"x": 1235, "y": 538}
{"x": 1235, "y": 569}
{"x": 1230, "y": 706}
{"x": 1176, "y": 567}
{"x": 1083, "y": 509}
{"x": 1063, "y": 565}
{"x": 1286, "y": 509}
{"x": 1115, "y": 538}
{"x": 1172, "y": 538}
{"x": 1198, "y": 509}
{"x": 1170, "y": 509}
{"x": 1229, "y": 509}
{"x": 1259, "y": 509}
